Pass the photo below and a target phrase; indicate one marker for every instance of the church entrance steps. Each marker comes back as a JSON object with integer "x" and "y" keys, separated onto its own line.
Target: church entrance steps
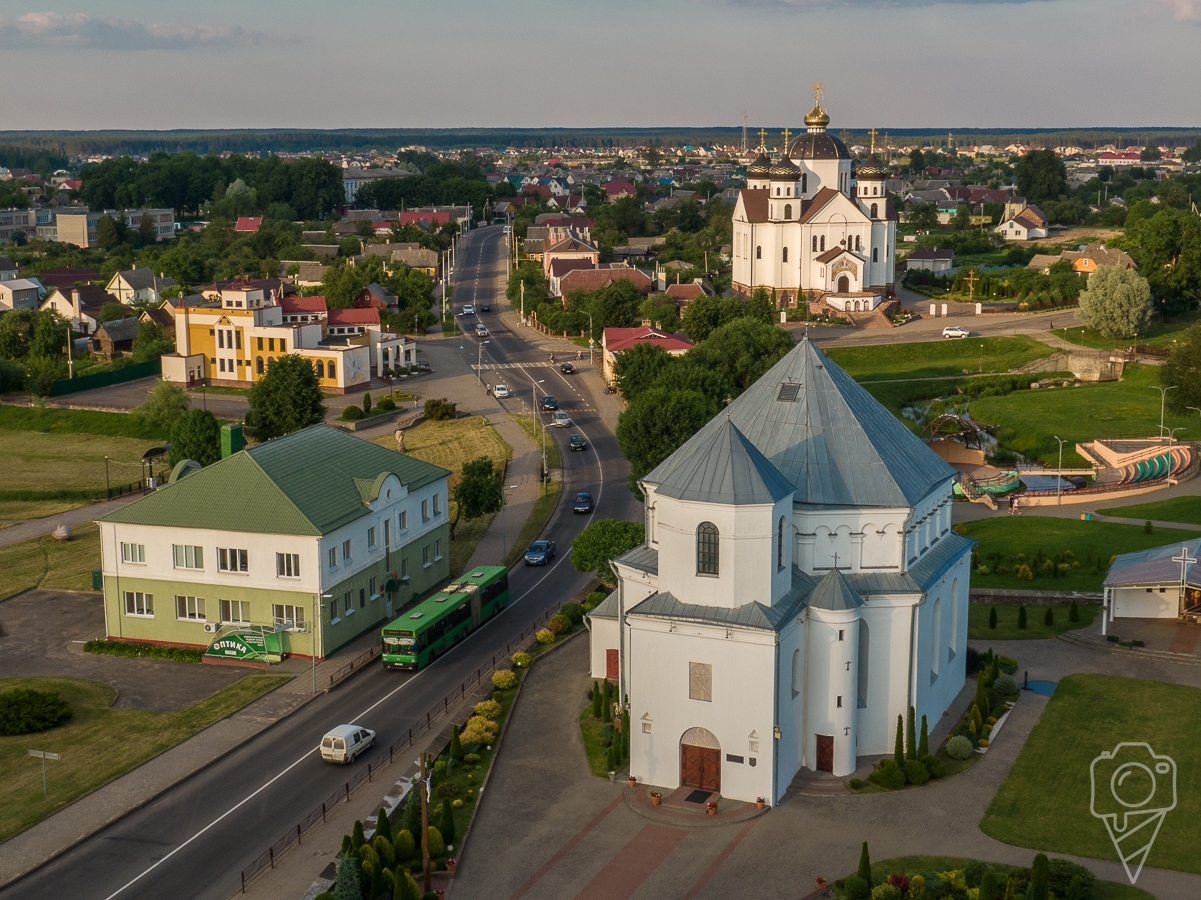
{"x": 674, "y": 809}
{"x": 808, "y": 783}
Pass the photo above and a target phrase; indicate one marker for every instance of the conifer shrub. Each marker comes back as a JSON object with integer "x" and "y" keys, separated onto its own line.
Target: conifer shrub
{"x": 1021, "y": 617}
{"x": 384, "y": 850}
{"x": 573, "y": 612}
{"x": 403, "y": 845}
{"x": 992, "y": 618}
{"x": 593, "y": 600}
{"x": 521, "y": 659}
{"x": 383, "y": 827}
{"x": 544, "y": 636}
{"x": 28, "y": 711}
{"x": 489, "y": 709}
{"x": 352, "y": 414}
{"x": 1005, "y": 686}
{"x": 386, "y": 405}
{"x": 1049, "y": 616}
{"x": 446, "y": 821}
{"x": 959, "y": 747}
{"x": 1023, "y": 573}
{"x": 559, "y": 624}
{"x": 934, "y": 766}
{"x": 916, "y": 772}
{"x": 1073, "y": 612}
{"x": 855, "y": 888}
{"x": 437, "y": 846}
{"x": 597, "y": 700}
{"x": 889, "y": 775}
{"x": 456, "y": 745}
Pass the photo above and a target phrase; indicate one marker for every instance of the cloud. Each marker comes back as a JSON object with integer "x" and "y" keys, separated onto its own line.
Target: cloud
{"x": 1184, "y": 10}
{"x": 77, "y": 31}
{"x": 811, "y": 4}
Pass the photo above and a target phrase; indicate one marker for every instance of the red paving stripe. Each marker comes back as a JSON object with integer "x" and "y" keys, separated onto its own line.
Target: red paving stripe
{"x": 720, "y": 861}
{"x": 1186, "y": 639}
{"x": 633, "y": 864}
{"x": 565, "y": 849}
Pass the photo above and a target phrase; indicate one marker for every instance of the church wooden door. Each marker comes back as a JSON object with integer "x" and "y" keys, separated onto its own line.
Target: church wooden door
{"x": 825, "y": 753}
{"x": 844, "y": 285}
{"x": 700, "y": 767}
{"x": 611, "y": 665}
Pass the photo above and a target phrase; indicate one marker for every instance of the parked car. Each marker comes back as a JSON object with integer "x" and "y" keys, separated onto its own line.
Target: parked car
{"x": 424, "y": 368}
{"x": 469, "y": 310}
{"x": 568, "y": 368}
{"x": 502, "y": 390}
{"x": 540, "y": 553}
{"x": 344, "y": 743}
{"x": 549, "y": 404}
{"x": 954, "y": 331}
{"x": 481, "y": 331}
{"x": 559, "y": 419}
{"x": 577, "y": 442}
{"x": 583, "y": 502}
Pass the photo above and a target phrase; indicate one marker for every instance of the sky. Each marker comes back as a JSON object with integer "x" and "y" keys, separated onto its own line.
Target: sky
{"x": 149, "y": 64}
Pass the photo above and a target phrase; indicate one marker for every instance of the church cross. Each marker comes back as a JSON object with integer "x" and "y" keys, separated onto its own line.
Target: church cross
{"x": 787, "y": 135}
{"x": 818, "y": 87}
{"x": 1185, "y": 561}
{"x": 873, "y": 136}
{"x": 762, "y": 138}
{"x": 971, "y": 284}
{"x": 835, "y": 560}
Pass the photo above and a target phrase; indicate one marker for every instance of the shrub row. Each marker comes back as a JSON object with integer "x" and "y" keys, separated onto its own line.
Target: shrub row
{"x": 144, "y": 651}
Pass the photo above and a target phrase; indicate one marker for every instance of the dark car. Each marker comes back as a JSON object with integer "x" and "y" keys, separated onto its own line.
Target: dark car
{"x": 485, "y": 307}
{"x": 540, "y": 553}
{"x": 424, "y": 367}
{"x": 568, "y": 368}
{"x": 583, "y": 502}
{"x": 577, "y": 442}
{"x": 550, "y": 404}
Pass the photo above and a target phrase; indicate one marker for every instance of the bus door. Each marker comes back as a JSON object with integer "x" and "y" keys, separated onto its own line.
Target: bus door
{"x": 475, "y": 607}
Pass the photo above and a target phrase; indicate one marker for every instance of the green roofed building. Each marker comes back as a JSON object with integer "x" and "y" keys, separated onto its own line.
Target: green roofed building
{"x": 317, "y": 528}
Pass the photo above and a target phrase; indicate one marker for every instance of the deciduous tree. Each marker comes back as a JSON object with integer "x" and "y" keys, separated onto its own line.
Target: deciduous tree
{"x": 743, "y": 350}
{"x": 1041, "y": 176}
{"x": 602, "y": 541}
{"x": 165, "y": 403}
{"x": 639, "y": 367}
{"x": 1117, "y": 302}
{"x": 195, "y": 435}
{"x": 286, "y": 399}
{"x": 478, "y": 491}
{"x": 651, "y": 429}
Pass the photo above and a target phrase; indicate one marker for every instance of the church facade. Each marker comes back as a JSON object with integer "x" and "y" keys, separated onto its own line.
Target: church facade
{"x": 800, "y": 587}
{"x": 812, "y": 226}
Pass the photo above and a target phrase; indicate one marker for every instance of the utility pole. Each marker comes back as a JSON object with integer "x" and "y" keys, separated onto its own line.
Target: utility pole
{"x": 425, "y": 827}
{"x": 1059, "y": 474}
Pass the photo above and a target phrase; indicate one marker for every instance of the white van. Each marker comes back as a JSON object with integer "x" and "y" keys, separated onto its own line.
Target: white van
{"x": 344, "y": 743}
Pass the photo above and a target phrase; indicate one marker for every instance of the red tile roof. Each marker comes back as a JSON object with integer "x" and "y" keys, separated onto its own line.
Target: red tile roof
{"x": 352, "y": 317}
{"x": 617, "y": 186}
{"x": 409, "y": 217}
{"x": 686, "y": 292}
{"x": 595, "y": 279}
{"x": 560, "y": 267}
{"x": 619, "y": 339}
{"x": 249, "y": 224}
{"x": 293, "y": 305}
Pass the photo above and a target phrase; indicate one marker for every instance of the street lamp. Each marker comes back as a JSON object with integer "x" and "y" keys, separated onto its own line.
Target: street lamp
{"x": 1163, "y": 393}
{"x": 504, "y": 543}
{"x": 1172, "y": 433}
{"x": 1059, "y": 474}
{"x": 534, "y": 410}
{"x": 480, "y": 362}
{"x": 591, "y": 338}
{"x": 316, "y": 631}
{"x": 1194, "y": 409}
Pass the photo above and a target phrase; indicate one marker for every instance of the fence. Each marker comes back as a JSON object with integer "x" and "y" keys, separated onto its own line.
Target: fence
{"x": 266, "y": 859}
{"x": 357, "y": 663}
{"x": 104, "y": 379}
{"x": 120, "y": 490}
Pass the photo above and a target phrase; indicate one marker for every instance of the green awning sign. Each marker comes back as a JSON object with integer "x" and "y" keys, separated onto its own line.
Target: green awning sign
{"x": 241, "y": 645}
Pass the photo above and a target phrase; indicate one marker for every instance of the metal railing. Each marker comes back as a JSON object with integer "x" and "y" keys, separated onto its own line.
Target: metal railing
{"x": 266, "y": 860}
{"x": 355, "y": 664}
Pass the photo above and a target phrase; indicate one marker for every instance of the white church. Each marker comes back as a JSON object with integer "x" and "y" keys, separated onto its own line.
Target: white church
{"x": 800, "y": 587}
{"x": 811, "y": 226}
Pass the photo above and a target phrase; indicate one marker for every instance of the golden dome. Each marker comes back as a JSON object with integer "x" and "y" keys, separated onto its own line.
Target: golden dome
{"x": 760, "y": 167}
{"x": 818, "y": 118}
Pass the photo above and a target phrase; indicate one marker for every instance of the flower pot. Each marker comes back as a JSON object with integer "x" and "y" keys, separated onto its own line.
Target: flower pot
{"x": 759, "y": 804}
{"x": 711, "y": 810}
{"x": 655, "y": 801}
{"x": 451, "y": 865}
{"x": 633, "y": 781}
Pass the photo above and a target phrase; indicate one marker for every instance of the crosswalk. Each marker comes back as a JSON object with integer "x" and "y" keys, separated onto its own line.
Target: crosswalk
{"x": 519, "y": 365}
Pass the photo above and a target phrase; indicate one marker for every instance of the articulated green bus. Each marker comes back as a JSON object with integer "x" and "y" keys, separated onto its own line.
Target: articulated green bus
{"x": 433, "y": 626}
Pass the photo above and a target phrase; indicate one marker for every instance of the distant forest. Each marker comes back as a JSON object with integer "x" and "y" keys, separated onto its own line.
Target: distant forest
{"x": 39, "y": 150}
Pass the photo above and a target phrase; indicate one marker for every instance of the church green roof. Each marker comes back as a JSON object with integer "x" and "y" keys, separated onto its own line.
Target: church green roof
{"x": 310, "y": 482}
{"x": 827, "y": 436}
{"x": 722, "y": 467}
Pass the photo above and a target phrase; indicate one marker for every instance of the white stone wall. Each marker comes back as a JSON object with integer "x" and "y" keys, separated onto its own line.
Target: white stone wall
{"x": 1163, "y": 602}
{"x": 832, "y": 648}
{"x": 603, "y": 637}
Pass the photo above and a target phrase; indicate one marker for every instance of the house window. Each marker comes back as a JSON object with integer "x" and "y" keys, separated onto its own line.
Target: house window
{"x": 371, "y": 538}
{"x": 707, "y": 549}
{"x": 221, "y": 339}
{"x": 404, "y": 521}
{"x": 425, "y": 510}
{"x": 345, "y": 550}
{"x": 231, "y": 560}
{"x": 333, "y": 557}
{"x": 823, "y": 243}
{"x": 348, "y": 603}
{"x": 780, "y": 544}
{"x": 936, "y": 637}
{"x": 258, "y": 365}
{"x": 320, "y": 368}
{"x": 133, "y": 553}
{"x": 388, "y": 532}
{"x": 270, "y": 343}
{"x": 785, "y": 255}
{"x": 425, "y": 556}
{"x": 362, "y": 597}
{"x": 187, "y": 556}
{"x": 287, "y": 614}
{"x": 438, "y": 549}
{"x": 404, "y": 568}
{"x": 804, "y": 182}
{"x": 371, "y": 588}
{"x": 139, "y": 604}
{"x": 287, "y": 565}
{"x": 283, "y": 346}
{"x": 646, "y": 727}
{"x": 260, "y": 343}
{"x": 333, "y": 612}
{"x": 838, "y": 703}
{"x": 237, "y": 340}
{"x": 437, "y": 504}
{"x": 332, "y": 374}
{"x": 235, "y": 611}
{"x": 189, "y": 607}
{"x": 700, "y": 682}
{"x": 858, "y": 242}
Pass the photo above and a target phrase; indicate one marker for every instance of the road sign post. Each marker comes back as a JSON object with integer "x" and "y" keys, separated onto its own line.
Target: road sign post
{"x": 43, "y": 755}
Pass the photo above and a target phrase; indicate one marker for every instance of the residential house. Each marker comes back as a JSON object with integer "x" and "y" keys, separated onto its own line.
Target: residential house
{"x": 248, "y": 224}
{"x": 80, "y": 305}
{"x": 163, "y": 219}
{"x": 162, "y": 317}
{"x": 559, "y": 268}
{"x": 421, "y": 258}
{"x": 77, "y": 226}
{"x": 1084, "y": 261}
{"x": 115, "y": 338}
{"x": 603, "y": 276}
{"x": 389, "y": 351}
{"x": 375, "y": 296}
{"x": 298, "y": 309}
{"x": 138, "y": 286}
{"x": 618, "y": 189}
{"x": 567, "y": 246}
{"x": 683, "y": 294}
{"x": 933, "y": 259}
{"x": 317, "y": 537}
{"x": 1028, "y": 225}
{"x": 16, "y": 220}
{"x": 308, "y": 273}
{"x": 19, "y": 293}
{"x": 615, "y": 341}
{"x": 66, "y": 276}
{"x": 355, "y": 178}
{"x": 8, "y": 268}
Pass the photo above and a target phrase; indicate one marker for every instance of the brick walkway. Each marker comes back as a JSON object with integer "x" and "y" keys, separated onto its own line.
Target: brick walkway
{"x": 577, "y": 839}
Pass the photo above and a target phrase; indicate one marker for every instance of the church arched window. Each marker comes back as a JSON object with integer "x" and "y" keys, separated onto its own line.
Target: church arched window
{"x": 758, "y": 252}
{"x": 875, "y": 254}
{"x": 875, "y": 191}
{"x": 865, "y": 655}
{"x": 936, "y": 636}
{"x": 815, "y": 243}
{"x": 798, "y": 672}
{"x": 787, "y": 210}
{"x": 788, "y": 191}
{"x": 823, "y": 243}
{"x": 785, "y": 254}
{"x": 875, "y": 211}
{"x": 780, "y": 544}
{"x": 953, "y": 639}
{"x": 777, "y": 192}
{"x": 804, "y": 182}
{"x": 858, "y": 242}
{"x": 707, "y": 549}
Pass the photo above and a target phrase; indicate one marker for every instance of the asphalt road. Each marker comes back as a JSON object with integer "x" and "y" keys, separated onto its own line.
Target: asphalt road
{"x": 193, "y": 841}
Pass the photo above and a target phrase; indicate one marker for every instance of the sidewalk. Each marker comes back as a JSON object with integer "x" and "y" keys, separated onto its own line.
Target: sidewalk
{"x": 79, "y": 820}
{"x": 35, "y": 528}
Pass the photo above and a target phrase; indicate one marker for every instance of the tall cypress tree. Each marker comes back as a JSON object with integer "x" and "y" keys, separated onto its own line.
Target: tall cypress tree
{"x": 357, "y": 839}
{"x": 597, "y": 700}
{"x": 992, "y": 618}
{"x": 456, "y": 747}
{"x": 413, "y": 811}
{"x": 446, "y": 822}
{"x": 989, "y": 889}
{"x": 1021, "y": 617}
{"x": 911, "y": 735}
{"x": 382, "y": 826}
{"x": 865, "y": 865}
{"x": 923, "y": 744}
{"x": 1040, "y": 879}
{"x": 898, "y": 750}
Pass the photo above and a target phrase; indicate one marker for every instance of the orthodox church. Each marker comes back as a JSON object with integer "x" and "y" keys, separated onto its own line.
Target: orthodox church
{"x": 799, "y": 588}
{"x": 812, "y": 226}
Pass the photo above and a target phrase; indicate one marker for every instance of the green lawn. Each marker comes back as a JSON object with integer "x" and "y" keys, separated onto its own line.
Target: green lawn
{"x": 912, "y": 865}
{"x": 1028, "y": 420}
{"x": 534, "y": 429}
{"x": 1178, "y": 509}
{"x": 934, "y": 359}
{"x": 1159, "y": 334}
{"x": 56, "y": 466}
{"x": 1007, "y": 622}
{"x": 1092, "y": 544}
{"x": 45, "y": 562}
{"x": 594, "y": 748}
{"x": 98, "y": 743}
{"x": 1044, "y": 801}
{"x": 79, "y": 421}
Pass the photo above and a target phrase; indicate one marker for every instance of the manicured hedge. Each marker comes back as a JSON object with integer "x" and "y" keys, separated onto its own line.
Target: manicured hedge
{"x": 145, "y": 651}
